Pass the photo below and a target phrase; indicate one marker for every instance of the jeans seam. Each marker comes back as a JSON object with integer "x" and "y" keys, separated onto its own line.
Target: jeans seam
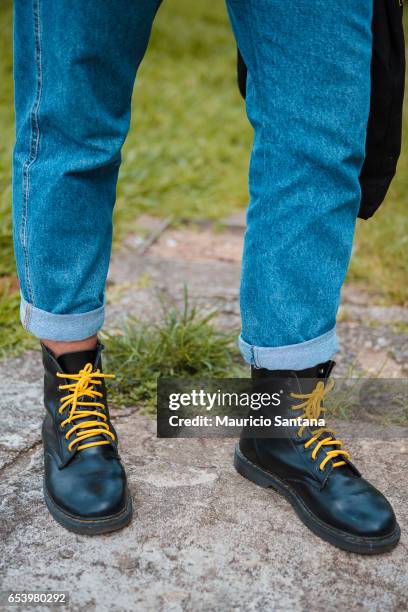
{"x": 257, "y": 78}
{"x": 33, "y": 149}
{"x": 254, "y": 76}
{"x": 27, "y": 317}
{"x": 254, "y": 359}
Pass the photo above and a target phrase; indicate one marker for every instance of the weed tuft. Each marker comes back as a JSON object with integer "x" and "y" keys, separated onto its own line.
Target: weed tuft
{"x": 183, "y": 343}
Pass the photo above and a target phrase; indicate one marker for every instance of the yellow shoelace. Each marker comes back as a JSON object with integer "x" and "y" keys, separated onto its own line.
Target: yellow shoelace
{"x": 312, "y": 408}
{"x": 83, "y": 386}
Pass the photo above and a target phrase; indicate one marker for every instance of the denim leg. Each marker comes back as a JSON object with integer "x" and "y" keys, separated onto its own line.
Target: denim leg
{"x": 308, "y": 95}
{"x": 75, "y": 65}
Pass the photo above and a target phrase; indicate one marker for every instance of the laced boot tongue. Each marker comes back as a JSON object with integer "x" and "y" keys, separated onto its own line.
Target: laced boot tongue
{"x": 71, "y": 363}
{"x": 320, "y": 439}
{"x": 309, "y": 379}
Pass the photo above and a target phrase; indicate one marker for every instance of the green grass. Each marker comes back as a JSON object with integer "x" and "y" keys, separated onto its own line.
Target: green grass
{"x": 6, "y": 140}
{"x": 13, "y": 338}
{"x": 188, "y": 149}
{"x": 183, "y": 343}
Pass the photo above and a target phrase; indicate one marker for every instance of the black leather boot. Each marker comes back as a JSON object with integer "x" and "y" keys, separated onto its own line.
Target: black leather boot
{"x": 85, "y": 486}
{"x": 311, "y": 469}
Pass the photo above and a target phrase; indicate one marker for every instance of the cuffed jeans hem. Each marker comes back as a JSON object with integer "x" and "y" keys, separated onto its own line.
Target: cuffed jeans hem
{"x": 294, "y": 356}
{"x": 60, "y": 327}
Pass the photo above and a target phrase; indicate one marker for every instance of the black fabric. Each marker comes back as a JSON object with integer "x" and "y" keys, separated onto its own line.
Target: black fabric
{"x": 383, "y": 141}
{"x": 71, "y": 363}
{"x": 383, "y": 144}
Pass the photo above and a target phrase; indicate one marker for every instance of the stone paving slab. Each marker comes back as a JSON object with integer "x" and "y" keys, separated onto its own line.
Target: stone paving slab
{"x": 203, "y": 538}
{"x": 20, "y": 406}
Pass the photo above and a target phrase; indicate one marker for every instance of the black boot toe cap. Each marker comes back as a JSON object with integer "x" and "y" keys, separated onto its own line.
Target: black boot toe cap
{"x": 91, "y": 488}
{"x": 373, "y": 516}
{"x": 353, "y": 505}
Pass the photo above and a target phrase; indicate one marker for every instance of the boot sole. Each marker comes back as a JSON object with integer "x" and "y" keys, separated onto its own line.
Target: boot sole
{"x": 336, "y": 537}
{"x": 89, "y": 526}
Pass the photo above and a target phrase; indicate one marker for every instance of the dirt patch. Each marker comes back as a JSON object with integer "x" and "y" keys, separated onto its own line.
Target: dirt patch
{"x": 201, "y": 245}
{"x": 378, "y": 363}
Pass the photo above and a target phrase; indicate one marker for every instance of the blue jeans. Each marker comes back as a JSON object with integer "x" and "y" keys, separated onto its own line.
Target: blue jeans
{"x": 308, "y": 96}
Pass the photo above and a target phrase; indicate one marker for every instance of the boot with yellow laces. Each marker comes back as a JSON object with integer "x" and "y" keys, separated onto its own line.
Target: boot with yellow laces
{"x": 310, "y": 467}
{"x": 85, "y": 484}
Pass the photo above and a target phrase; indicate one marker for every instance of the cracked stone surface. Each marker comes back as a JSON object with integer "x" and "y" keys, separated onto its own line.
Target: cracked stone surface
{"x": 202, "y": 537}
